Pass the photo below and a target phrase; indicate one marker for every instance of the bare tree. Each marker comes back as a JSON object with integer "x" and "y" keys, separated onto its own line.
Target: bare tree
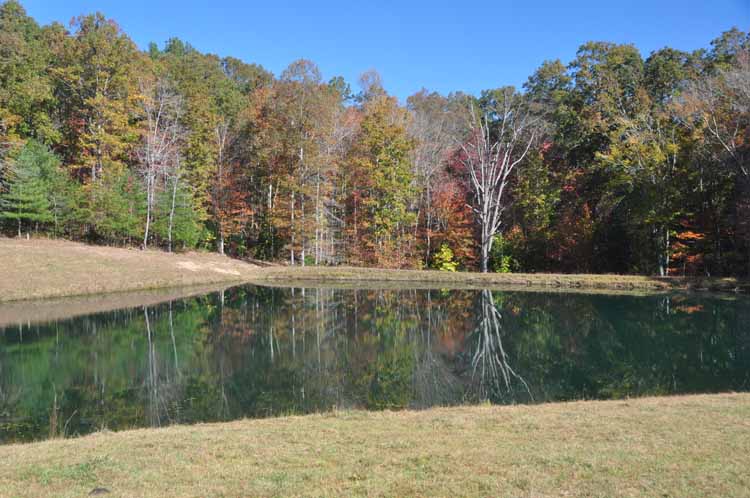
{"x": 223, "y": 134}
{"x": 159, "y": 154}
{"x": 498, "y": 141}
{"x": 721, "y": 105}
{"x": 719, "y": 108}
{"x": 334, "y": 144}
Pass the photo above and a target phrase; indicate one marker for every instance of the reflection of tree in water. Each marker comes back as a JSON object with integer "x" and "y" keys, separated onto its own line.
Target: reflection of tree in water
{"x": 9, "y": 397}
{"x": 261, "y": 351}
{"x": 435, "y": 382}
{"x": 163, "y": 385}
{"x": 492, "y": 376}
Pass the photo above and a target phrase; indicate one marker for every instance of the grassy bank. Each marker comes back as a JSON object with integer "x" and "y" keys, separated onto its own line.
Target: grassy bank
{"x": 40, "y": 268}
{"x": 61, "y": 308}
{"x": 677, "y": 446}
{"x": 506, "y": 280}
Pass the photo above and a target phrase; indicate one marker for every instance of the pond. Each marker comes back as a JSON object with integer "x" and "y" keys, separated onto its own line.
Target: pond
{"x": 256, "y": 351}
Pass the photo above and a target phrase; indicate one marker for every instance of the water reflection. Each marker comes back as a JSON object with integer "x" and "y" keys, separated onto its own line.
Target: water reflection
{"x": 255, "y": 351}
{"x": 491, "y": 371}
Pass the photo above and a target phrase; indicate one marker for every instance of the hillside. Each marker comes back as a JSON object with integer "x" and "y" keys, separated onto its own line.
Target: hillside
{"x": 42, "y": 268}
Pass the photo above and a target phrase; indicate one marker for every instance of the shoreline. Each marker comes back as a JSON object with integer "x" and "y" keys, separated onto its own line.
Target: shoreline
{"x": 631, "y": 447}
{"x": 473, "y": 280}
{"x": 44, "y": 269}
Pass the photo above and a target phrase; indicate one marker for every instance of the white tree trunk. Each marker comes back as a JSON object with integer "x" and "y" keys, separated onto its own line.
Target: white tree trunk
{"x": 490, "y": 155}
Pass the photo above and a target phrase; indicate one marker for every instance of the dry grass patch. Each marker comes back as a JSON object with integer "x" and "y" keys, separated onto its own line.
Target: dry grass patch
{"x": 679, "y": 446}
{"x": 42, "y": 268}
{"x": 434, "y": 278}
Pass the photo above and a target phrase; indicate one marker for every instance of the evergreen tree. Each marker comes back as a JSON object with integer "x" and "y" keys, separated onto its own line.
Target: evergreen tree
{"x": 28, "y": 197}
{"x": 176, "y": 221}
{"x": 116, "y": 208}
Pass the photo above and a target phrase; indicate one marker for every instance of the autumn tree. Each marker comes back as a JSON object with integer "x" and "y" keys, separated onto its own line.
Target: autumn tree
{"x": 436, "y": 125}
{"x": 499, "y": 140}
{"x": 163, "y": 135}
{"x": 26, "y": 91}
{"x": 381, "y": 188}
{"x": 94, "y": 72}
{"x": 715, "y": 109}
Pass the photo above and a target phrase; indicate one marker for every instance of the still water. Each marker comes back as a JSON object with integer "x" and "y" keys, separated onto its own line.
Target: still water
{"x": 257, "y": 351}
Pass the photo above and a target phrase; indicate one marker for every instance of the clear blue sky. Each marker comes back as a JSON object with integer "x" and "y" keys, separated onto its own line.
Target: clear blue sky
{"x": 464, "y": 45}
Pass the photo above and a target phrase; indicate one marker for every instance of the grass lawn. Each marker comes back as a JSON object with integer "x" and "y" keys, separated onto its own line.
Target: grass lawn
{"x": 675, "y": 446}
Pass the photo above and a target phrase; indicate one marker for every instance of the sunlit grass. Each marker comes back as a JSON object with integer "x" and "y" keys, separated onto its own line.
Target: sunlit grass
{"x": 676, "y": 446}
{"x": 41, "y": 268}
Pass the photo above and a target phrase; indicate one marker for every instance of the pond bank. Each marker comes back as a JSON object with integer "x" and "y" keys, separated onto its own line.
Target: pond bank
{"x": 473, "y": 280}
{"x": 42, "y": 268}
{"x": 673, "y": 446}
{"x": 26, "y": 311}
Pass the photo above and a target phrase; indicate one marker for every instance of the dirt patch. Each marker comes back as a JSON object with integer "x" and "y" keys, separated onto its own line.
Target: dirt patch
{"x": 225, "y": 271}
{"x": 188, "y": 265}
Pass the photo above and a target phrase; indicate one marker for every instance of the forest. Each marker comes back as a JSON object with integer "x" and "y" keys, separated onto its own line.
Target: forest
{"x": 610, "y": 163}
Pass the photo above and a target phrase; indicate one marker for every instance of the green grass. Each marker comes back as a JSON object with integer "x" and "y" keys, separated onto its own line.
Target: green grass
{"x": 676, "y": 446}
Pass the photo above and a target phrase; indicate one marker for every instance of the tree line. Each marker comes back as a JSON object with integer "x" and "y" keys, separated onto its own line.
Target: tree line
{"x": 611, "y": 163}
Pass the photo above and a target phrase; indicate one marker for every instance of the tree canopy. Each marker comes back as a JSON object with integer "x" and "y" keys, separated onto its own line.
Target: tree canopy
{"x": 615, "y": 161}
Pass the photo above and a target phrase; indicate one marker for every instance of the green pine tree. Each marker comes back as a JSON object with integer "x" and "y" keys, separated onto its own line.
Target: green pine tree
{"x": 117, "y": 206}
{"x": 185, "y": 222}
{"x": 27, "y": 198}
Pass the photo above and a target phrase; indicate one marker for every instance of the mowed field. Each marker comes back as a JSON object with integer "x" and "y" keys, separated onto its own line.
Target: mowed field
{"x": 684, "y": 446}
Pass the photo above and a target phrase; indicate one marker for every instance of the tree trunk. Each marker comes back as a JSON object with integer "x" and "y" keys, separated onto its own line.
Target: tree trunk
{"x": 171, "y": 214}
{"x": 485, "y": 256}
{"x": 666, "y": 251}
{"x": 291, "y": 250}
{"x": 663, "y": 252}
{"x": 486, "y": 246}
{"x": 318, "y": 220}
{"x": 149, "y": 196}
{"x": 303, "y": 235}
